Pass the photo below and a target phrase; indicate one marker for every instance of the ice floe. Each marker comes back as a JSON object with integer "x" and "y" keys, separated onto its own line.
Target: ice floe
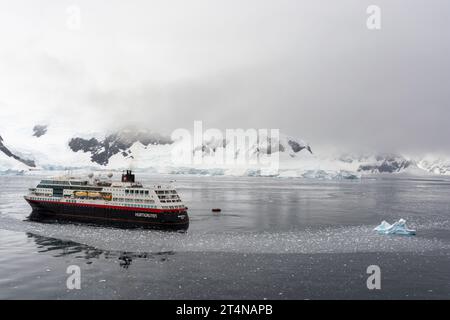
{"x": 398, "y": 227}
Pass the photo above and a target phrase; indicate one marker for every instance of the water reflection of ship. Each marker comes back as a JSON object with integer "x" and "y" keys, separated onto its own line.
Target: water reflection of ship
{"x": 65, "y": 248}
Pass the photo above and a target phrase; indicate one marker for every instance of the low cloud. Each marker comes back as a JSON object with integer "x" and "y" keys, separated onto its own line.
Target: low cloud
{"x": 311, "y": 69}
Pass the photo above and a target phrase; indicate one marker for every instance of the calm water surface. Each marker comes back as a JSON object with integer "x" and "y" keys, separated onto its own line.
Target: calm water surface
{"x": 274, "y": 239}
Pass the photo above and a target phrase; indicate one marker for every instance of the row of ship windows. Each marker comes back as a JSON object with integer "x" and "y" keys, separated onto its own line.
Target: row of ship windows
{"x": 174, "y": 207}
{"x": 169, "y": 197}
{"x": 165, "y": 192}
{"x": 41, "y": 199}
{"x": 146, "y": 192}
{"x": 143, "y": 206}
{"x": 54, "y": 182}
{"x": 133, "y": 200}
{"x": 133, "y": 205}
{"x": 129, "y": 192}
{"x": 175, "y": 198}
{"x": 64, "y": 183}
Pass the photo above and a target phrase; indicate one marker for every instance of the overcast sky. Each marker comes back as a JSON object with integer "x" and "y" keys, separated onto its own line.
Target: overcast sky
{"x": 310, "y": 68}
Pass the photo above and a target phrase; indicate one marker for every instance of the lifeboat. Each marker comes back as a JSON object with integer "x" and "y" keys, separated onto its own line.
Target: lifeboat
{"x": 107, "y": 197}
{"x": 94, "y": 195}
{"x": 80, "y": 194}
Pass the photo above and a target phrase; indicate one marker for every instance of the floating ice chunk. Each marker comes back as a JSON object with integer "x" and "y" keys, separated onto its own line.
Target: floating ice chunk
{"x": 398, "y": 227}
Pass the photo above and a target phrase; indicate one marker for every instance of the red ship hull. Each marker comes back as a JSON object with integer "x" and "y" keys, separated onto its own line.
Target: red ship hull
{"x": 110, "y": 215}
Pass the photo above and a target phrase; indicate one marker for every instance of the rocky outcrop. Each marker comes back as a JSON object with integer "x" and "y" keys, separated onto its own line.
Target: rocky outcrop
{"x": 9, "y": 153}
{"x": 39, "y": 130}
{"x": 387, "y": 164}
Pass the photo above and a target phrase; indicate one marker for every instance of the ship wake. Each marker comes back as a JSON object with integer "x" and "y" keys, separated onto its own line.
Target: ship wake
{"x": 345, "y": 239}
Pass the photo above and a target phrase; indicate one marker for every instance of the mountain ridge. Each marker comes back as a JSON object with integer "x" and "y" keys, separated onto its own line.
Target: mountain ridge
{"x": 53, "y": 149}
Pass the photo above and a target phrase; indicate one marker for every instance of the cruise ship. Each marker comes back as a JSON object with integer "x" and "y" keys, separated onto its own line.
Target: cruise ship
{"x": 100, "y": 200}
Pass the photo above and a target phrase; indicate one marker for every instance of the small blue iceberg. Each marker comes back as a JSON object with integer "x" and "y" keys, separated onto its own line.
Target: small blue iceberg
{"x": 398, "y": 227}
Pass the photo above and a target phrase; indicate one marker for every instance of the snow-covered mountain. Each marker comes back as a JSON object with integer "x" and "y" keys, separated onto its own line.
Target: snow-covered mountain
{"x": 47, "y": 147}
{"x": 50, "y": 147}
{"x": 436, "y": 165}
{"x": 101, "y": 150}
{"x": 387, "y": 164}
